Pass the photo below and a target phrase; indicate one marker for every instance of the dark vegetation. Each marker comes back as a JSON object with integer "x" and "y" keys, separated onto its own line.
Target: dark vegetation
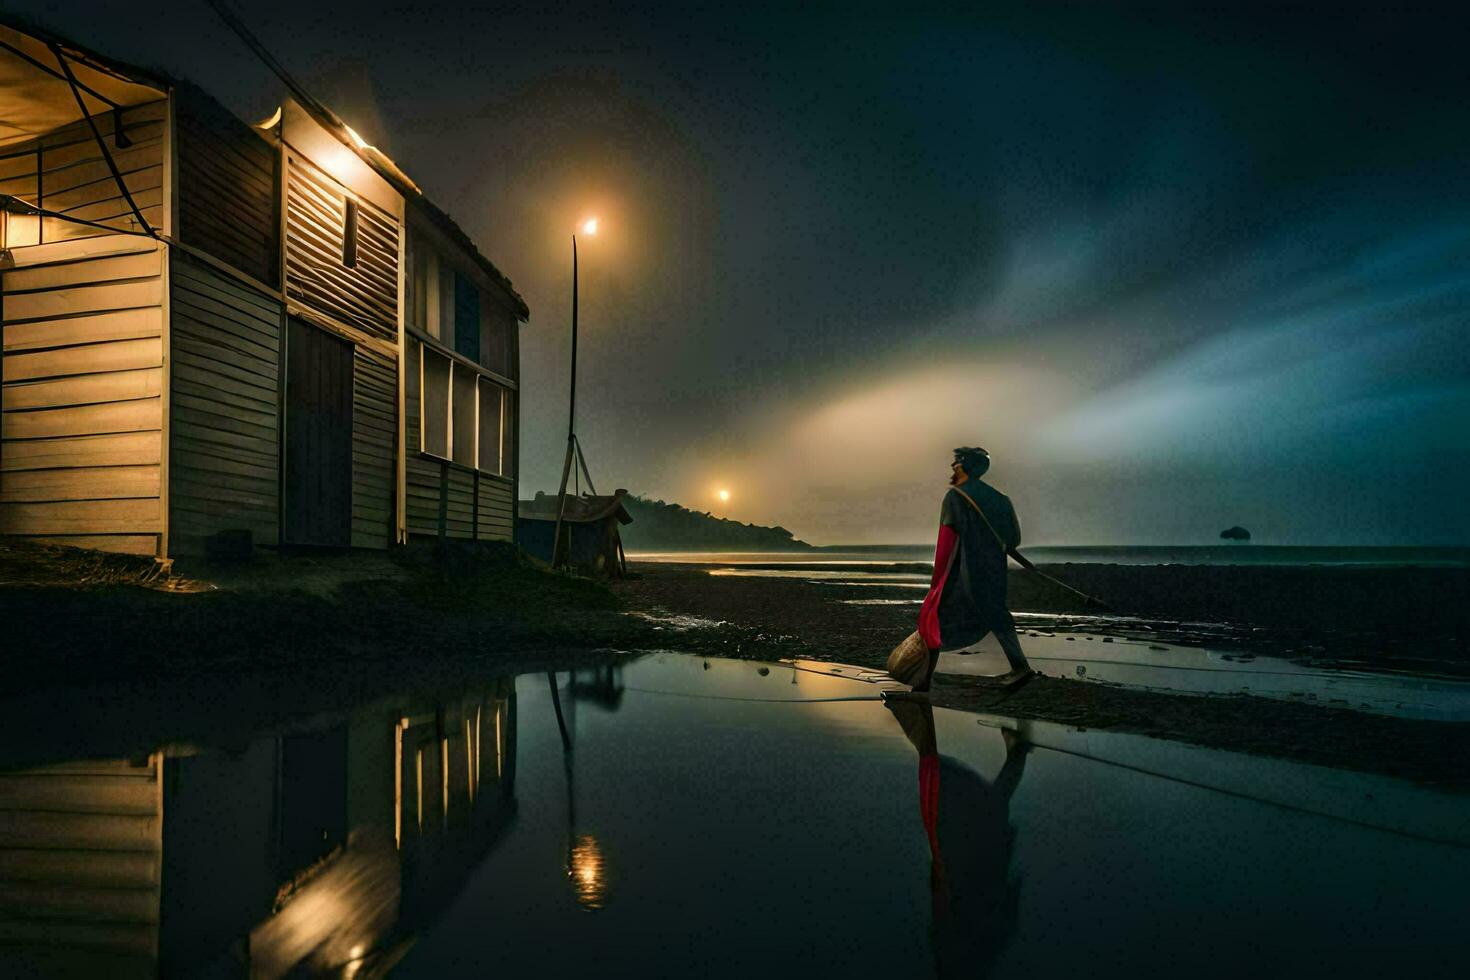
{"x": 72, "y": 616}
{"x": 660, "y": 526}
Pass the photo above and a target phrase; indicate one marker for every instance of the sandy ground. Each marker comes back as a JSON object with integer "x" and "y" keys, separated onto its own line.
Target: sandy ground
{"x": 1366, "y": 617}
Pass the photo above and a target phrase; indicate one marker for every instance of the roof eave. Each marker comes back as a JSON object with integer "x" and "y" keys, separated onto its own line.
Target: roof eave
{"x": 401, "y": 182}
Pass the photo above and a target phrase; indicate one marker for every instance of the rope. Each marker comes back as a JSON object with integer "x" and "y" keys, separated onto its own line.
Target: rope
{"x": 1026, "y": 562}
{"x": 122, "y": 185}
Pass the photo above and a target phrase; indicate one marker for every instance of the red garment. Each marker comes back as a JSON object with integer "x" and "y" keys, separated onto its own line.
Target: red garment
{"x": 929, "y": 812}
{"x": 929, "y": 612}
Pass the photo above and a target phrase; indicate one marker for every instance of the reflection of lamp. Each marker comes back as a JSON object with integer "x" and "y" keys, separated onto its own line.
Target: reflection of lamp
{"x": 587, "y": 871}
{"x": 586, "y": 865}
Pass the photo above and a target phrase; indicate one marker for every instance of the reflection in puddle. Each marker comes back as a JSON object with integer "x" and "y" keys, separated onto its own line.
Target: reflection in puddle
{"x": 298, "y": 853}
{"x": 974, "y": 893}
{"x": 759, "y": 819}
{"x": 588, "y": 873}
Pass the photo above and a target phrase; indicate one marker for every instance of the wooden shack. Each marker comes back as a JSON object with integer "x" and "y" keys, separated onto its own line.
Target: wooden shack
{"x": 590, "y": 530}
{"x": 214, "y": 328}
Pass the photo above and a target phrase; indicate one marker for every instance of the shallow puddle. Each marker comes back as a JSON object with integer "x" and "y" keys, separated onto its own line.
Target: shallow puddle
{"x": 1193, "y": 670}
{"x": 678, "y": 816}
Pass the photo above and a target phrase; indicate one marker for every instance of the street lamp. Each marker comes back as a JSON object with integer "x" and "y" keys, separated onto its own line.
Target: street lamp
{"x": 589, "y": 228}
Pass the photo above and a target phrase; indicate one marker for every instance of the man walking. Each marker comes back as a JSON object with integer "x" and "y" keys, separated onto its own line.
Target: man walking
{"x": 967, "y": 594}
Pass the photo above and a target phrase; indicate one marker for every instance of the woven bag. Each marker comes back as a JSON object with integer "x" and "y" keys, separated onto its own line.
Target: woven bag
{"x": 909, "y": 660}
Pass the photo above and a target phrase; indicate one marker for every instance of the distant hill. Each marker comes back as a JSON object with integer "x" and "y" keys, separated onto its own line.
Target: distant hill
{"x": 660, "y": 526}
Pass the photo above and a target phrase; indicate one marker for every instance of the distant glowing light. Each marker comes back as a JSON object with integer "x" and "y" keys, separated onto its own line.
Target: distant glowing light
{"x": 724, "y": 496}
{"x": 589, "y": 227}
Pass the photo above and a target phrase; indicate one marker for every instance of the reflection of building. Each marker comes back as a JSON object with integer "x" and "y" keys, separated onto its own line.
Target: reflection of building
{"x": 601, "y": 685}
{"x": 320, "y": 849}
{"x": 586, "y": 857}
{"x": 211, "y": 327}
{"x": 80, "y": 848}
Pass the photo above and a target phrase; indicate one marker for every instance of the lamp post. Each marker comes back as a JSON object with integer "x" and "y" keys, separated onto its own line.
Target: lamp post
{"x": 589, "y": 227}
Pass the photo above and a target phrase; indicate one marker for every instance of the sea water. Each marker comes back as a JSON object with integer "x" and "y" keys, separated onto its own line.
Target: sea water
{"x": 1223, "y": 554}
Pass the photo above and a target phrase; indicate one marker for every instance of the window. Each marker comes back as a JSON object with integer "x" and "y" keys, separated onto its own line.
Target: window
{"x": 444, "y": 299}
{"x": 463, "y": 405}
{"x": 425, "y": 304}
{"x": 496, "y": 325}
{"x": 508, "y": 435}
{"x": 466, "y": 318}
{"x": 491, "y": 423}
{"x": 435, "y": 404}
{"x": 464, "y": 416}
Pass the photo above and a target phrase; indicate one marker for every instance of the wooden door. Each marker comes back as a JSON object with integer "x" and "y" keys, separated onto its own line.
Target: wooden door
{"x": 318, "y": 453}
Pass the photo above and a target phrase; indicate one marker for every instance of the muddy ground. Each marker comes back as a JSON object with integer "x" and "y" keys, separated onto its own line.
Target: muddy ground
{"x": 311, "y": 629}
{"x": 1391, "y": 619}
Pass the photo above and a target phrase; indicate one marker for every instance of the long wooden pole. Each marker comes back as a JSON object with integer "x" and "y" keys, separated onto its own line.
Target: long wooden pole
{"x": 1025, "y": 563}
{"x": 566, "y": 468}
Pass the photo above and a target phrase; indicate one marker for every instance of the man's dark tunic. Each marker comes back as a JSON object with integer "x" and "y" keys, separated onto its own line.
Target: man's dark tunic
{"x": 974, "y": 599}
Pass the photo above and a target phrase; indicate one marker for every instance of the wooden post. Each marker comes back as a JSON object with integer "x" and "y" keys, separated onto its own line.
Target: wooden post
{"x": 566, "y": 469}
{"x": 561, "y": 507}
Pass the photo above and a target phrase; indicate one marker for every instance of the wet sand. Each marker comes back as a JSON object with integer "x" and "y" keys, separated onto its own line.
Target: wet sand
{"x": 1394, "y": 619}
{"x": 1400, "y": 620}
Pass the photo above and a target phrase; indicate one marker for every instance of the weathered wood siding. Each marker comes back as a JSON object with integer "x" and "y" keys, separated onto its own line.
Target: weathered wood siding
{"x": 65, "y": 171}
{"x": 424, "y": 475}
{"x": 227, "y": 186}
{"x": 80, "y": 853}
{"x": 364, "y": 296}
{"x": 495, "y": 509}
{"x": 82, "y": 421}
{"x": 374, "y": 440}
{"x": 473, "y": 505}
{"x": 224, "y": 443}
{"x": 459, "y": 502}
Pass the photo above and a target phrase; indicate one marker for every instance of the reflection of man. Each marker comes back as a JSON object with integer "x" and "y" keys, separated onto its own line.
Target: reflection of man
{"x": 975, "y": 902}
{"x": 967, "y": 594}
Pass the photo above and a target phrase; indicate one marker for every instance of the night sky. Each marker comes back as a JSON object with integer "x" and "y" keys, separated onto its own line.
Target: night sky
{"x": 1177, "y": 270}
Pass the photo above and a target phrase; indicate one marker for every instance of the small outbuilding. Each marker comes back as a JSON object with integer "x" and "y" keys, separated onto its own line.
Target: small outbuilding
{"x": 589, "y": 529}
